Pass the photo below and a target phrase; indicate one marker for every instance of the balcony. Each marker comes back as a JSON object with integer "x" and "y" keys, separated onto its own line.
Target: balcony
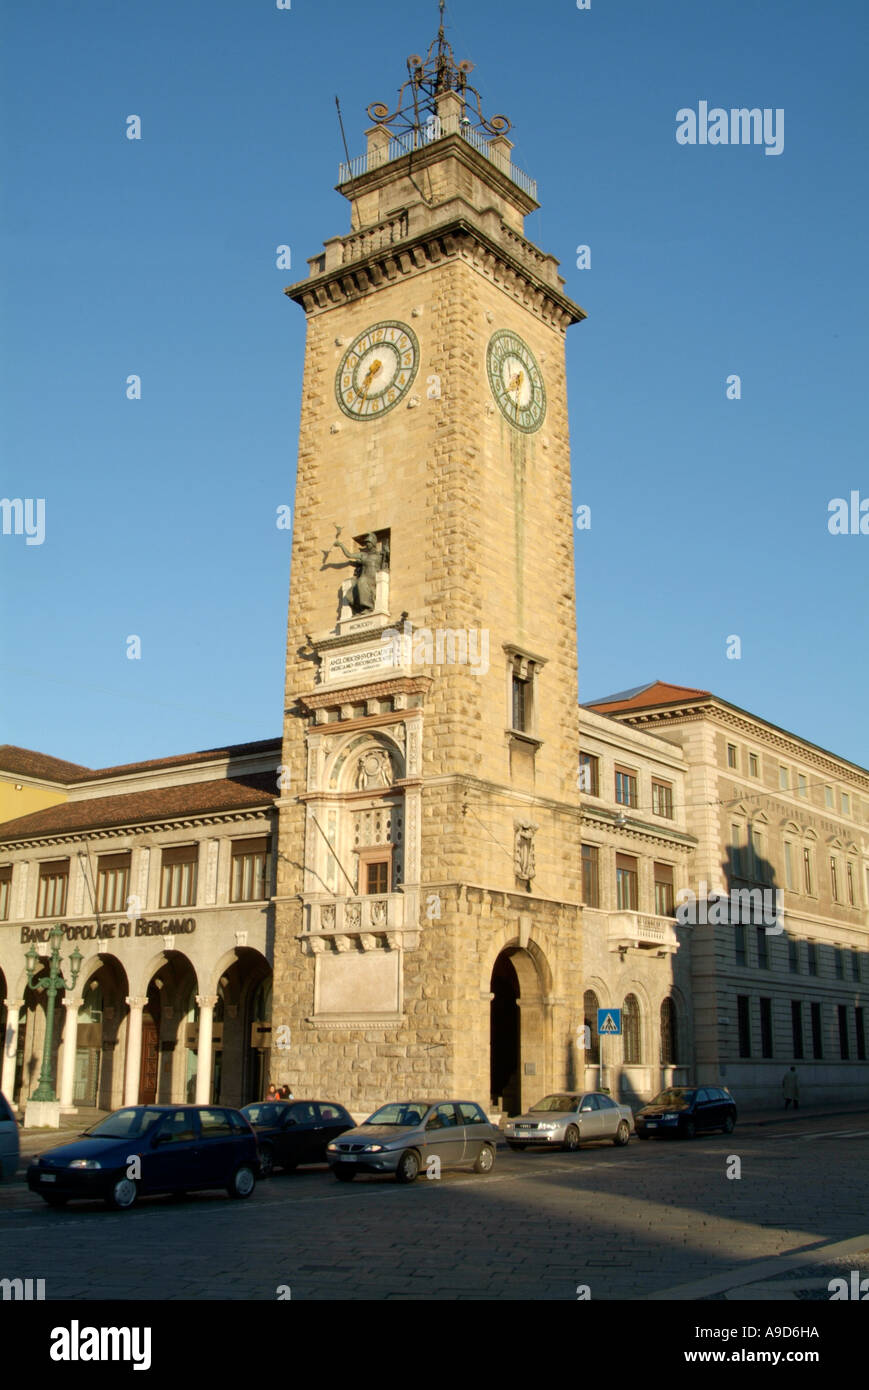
{"x": 364, "y": 923}
{"x": 641, "y": 931}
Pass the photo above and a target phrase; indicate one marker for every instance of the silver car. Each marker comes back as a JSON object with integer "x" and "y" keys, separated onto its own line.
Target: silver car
{"x": 409, "y": 1135}
{"x": 567, "y": 1119}
{"x": 8, "y": 1140}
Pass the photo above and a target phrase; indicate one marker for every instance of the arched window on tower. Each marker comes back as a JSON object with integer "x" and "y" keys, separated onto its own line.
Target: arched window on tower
{"x": 669, "y": 1037}
{"x": 631, "y": 1030}
{"x": 590, "y": 1007}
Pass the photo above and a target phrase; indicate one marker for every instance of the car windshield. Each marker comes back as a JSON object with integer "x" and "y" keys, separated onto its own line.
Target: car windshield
{"x": 124, "y": 1124}
{"x": 404, "y": 1114}
{"x": 266, "y": 1114}
{"x": 561, "y": 1103}
{"x": 675, "y": 1095}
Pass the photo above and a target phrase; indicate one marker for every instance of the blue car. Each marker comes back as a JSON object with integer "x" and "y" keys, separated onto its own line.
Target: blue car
{"x": 145, "y": 1149}
{"x": 684, "y": 1111}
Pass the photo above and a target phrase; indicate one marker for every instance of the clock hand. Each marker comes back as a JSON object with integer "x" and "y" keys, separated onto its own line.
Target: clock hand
{"x": 369, "y": 377}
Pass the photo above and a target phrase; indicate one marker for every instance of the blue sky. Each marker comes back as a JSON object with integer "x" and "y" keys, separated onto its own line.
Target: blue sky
{"x": 157, "y": 257}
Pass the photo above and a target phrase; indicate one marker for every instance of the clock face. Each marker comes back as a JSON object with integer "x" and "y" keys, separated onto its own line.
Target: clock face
{"x": 377, "y": 370}
{"x": 516, "y": 381}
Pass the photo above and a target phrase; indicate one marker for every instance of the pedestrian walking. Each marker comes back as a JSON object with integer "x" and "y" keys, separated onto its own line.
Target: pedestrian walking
{"x": 791, "y": 1087}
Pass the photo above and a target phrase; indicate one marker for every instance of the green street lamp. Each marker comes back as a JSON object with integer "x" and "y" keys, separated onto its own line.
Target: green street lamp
{"x": 54, "y": 983}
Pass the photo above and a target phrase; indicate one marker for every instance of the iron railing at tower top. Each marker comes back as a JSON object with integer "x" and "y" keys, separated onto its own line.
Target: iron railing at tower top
{"x": 437, "y": 128}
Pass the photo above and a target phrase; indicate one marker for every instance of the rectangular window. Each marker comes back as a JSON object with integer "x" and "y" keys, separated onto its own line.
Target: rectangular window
{"x": 812, "y": 953}
{"x": 828, "y": 797}
{"x": 627, "y": 893}
{"x": 808, "y": 876}
{"x": 855, "y": 964}
{"x": 793, "y": 956}
{"x": 797, "y": 1029}
{"x": 665, "y": 900}
{"x": 802, "y": 785}
{"x": 732, "y": 759}
{"x": 521, "y": 704}
{"x": 743, "y": 1015}
{"x": 817, "y": 1034}
{"x": 762, "y": 949}
{"x": 753, "y": 767}
{"x": 783, "y": 779}
{"x": 5, "y": 891}
{"x": 662, "y": 799}
{"x": 178, "y": 876}
{"x": 766, "y": 1027}
{"x": 736, "y": 855}
{"x": 591, "y": 875}
{"x": 839, "y": 962}
{"x": 834, "y": 879}
{"x": 589, "y": 774}
{"x": 51, "y": 893}
{"x": 626, "y": 787}
{"x": 377, "y": 876}
{"x": 113, "y": 882}
{"x": 860, "y": 1027}
{"x": 842, "y": 1012}
{"x": 758, "y": 859}
{"x": 739, "y": 943}
{"x": 249, "y": 877}
{"x": 849, "y": 883}
{"x": 789, "y": 865}
{"x": 846, "y": 804}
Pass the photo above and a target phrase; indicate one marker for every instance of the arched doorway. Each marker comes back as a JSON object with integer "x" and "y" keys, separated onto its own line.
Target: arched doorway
{"x": 504, "y": 1041}
{"x": 259, "y": 1033}
{"x": 166, "y": 1061}
{"x": 519, "y": 1060}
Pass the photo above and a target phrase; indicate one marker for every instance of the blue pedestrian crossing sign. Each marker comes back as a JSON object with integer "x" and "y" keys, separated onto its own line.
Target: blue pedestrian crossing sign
{"x": 609, "y": 1021}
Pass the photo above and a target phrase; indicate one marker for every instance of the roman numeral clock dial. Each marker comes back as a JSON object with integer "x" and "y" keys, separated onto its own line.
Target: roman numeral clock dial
{"x": 516, "y": 381}
{"x": 377, "y": 370}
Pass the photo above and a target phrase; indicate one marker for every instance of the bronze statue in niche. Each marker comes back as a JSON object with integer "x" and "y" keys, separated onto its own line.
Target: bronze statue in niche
{"x": 369, "y": 561}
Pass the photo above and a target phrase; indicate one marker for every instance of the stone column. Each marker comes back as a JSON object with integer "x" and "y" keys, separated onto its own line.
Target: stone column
{"x": 10, "y": 1047}
{"x": 206, "y": 1004}
{"x": 133, "y": 1065}
{"x": 68, "y": 1050}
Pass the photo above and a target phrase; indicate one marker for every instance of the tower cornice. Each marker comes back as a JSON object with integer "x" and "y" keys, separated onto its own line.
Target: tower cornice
{"x": 501, "y": 255}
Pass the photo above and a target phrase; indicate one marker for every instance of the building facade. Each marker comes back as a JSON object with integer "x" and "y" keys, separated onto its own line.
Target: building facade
{"x": 771, "y": 813}
{"x": 636, "y": 857}
{"x": 161, "y": 875}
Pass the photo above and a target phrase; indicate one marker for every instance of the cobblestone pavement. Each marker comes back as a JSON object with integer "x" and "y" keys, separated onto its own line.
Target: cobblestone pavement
{"x": 656, "y": 1220}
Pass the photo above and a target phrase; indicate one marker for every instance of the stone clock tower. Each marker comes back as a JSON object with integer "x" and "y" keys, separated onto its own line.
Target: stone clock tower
{"x": 428, "y": 927}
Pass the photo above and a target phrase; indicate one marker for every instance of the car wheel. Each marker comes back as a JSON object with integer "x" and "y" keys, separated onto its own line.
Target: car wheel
{"x": 689, "y": 1129}
{"x": 344, "y": 1174}
{"x": 408, "y": 1166}
{"x": 266, "y": 1161}
{"x": 623, "y": 1133}
{"x": 54, "y": 1199}
{"x": 521, "y": 1147}
{"x": 485, "y": 1160}
{"x": 123, "y": 1194}
{"x": 571, "y": 1139}
{"x": 243, "y": 1182}
{"x": 729, "y": 1124}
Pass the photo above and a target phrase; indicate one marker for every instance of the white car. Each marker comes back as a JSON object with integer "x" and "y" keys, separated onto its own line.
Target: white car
{"x": 8, "y": 1140}
{"x": 566, "y": 1119}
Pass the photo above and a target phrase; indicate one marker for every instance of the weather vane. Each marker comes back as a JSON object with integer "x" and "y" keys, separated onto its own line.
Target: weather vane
{"x": 428, "y": 77}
